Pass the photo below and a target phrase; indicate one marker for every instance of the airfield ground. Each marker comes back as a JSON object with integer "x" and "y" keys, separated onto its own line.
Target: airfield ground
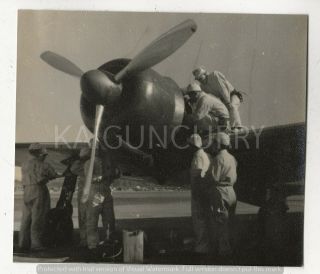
{"x": 161, "y": 213}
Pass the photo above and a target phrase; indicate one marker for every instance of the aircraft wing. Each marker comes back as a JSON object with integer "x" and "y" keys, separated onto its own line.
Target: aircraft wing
{"x": 268, "y": 158}
{"x": 272, "y": 157}
{"x": 57, "y": 152}
{"x": 131, "y": 162}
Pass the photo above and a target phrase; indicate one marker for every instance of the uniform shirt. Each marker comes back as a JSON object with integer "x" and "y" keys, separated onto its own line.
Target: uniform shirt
{"x": 224, "y": 169}
{"x": 199, "y": 165}
{"x": 100, "y": 176}
{"x": 235, "y": 120}
{"x": 218, "y": 85}
{"x": 97, "y": 168}
{"x": 37, "y": 172}
{"x": 209, "y": 106}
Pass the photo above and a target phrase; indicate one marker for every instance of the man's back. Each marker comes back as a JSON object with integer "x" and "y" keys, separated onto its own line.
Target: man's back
{"x": 224, "y": 168}
{"x": 218, "y": 85}
{"x": 200, "y": 164}
{"x": 210, "y": 105}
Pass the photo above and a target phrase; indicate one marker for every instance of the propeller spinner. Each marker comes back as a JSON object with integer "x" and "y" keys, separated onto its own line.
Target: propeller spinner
{"x": 101, "y": 89}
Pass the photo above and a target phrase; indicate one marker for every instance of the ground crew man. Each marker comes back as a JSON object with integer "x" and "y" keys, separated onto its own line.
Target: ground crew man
{"x": 217, "y": 85}
{"x": 35, "y": 175}
{"x": 78, "y": 169}
{"x": 223, "y": 175}
{"x": 100, "y": 201}
{"x": 209, "y": 112}
{"x": 200, "y": 208}
{"x": 213, "y": 196}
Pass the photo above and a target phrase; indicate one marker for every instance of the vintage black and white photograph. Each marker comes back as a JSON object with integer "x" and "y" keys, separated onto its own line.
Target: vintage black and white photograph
{"x": 160, "y": 138}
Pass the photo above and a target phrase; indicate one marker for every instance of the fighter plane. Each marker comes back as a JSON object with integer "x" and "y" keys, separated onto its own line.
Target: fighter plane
{"x": 123, "y": 96}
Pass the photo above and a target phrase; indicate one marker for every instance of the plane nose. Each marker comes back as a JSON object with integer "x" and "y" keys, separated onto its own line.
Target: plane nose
{"x": 97, "y": 87}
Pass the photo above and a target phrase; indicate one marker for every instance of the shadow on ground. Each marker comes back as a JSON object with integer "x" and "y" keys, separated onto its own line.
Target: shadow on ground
{"x": 273, "y": 243}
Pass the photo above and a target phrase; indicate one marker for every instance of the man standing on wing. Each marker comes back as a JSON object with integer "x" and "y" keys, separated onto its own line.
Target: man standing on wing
{"x": 216, "y": 84}
{"x": 209, "y": 113}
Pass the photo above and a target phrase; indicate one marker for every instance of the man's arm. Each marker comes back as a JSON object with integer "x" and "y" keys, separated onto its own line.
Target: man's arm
{"x": 49, "y": 173}
{"x": 225, "y": 86}
{"x": 77, "y": 168}
{"x": 218, "y": 108}
{"x": 197, "y": 173}
{"x": 217, "y": 165}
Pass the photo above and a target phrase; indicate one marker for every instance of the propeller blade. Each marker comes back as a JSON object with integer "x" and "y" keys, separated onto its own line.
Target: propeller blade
{"x": 87, "y": 185}
{"x": 61, "y": 63}
{"x": 159, "y": 49}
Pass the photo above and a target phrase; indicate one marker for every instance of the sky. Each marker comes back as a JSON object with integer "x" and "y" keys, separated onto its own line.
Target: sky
{"x": 263, "y": 55}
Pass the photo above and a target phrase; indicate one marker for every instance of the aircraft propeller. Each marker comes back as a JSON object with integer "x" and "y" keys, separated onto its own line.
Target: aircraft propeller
{"x": 97, "y": 122}
{"x": 61, "y": 63}
{"x": 100, "y": 89}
